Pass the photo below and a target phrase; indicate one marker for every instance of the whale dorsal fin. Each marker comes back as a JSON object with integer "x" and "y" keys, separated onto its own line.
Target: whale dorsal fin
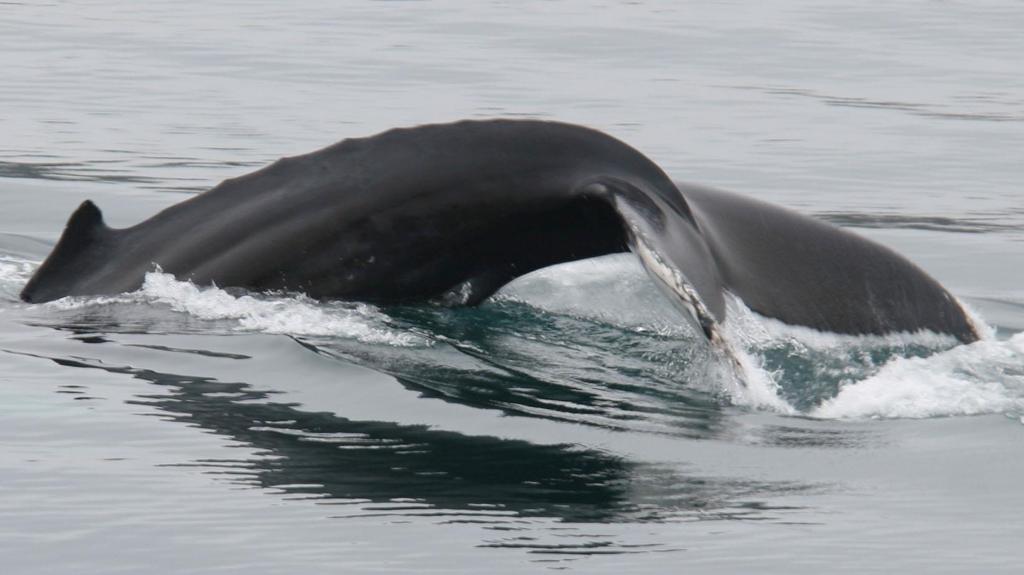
{"x": 84, "y": 228}
{"x": 83, "y": 233}
{"x": 87, "y": 219}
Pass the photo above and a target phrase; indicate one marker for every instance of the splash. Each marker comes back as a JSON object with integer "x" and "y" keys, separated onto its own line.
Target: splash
{"x": 984, "y": 377}
{"x": 284, "y": 314}
{"x": 902, "y": 375}
{"x": 14, "y": 272}
{"x": 752, "y": 385}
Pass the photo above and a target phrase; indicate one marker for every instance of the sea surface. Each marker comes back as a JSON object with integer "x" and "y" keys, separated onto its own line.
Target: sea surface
{"x": 574, "y": 422}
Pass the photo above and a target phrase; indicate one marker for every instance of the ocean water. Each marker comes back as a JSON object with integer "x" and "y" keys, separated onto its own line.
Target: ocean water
{"x": 574, "y": 422}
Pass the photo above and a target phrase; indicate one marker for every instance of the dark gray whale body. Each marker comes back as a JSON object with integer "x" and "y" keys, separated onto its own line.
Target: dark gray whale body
{"x": 452, "y": 212}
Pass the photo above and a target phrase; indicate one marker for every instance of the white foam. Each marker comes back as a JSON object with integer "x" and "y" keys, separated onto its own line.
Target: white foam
{"x": 14, "y": 272}
{"x": 981, "y": 327}
{"x": 293, "y": 314}
{"x": 755, "y": 386}
{"x": 983, "y": 377}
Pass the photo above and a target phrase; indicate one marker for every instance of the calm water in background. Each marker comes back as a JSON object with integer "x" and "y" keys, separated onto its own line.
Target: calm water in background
{"x": 573, "y": 423}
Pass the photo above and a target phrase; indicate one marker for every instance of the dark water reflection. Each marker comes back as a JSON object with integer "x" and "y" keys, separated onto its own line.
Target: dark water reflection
{"x": 377, "y": 468}
{"x": 506, "y": 356}
{"x": 518, "y": 359}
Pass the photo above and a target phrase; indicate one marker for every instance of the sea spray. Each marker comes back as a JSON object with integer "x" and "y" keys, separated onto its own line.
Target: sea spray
{"x": 983, "y": 377}
{"x": 292, "y": 314}
{"x": 900, "y": 375}
{"x": 14, "y": 272}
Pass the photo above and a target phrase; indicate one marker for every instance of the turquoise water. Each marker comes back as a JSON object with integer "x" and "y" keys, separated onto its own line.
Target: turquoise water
{"x": 574, "y": 422}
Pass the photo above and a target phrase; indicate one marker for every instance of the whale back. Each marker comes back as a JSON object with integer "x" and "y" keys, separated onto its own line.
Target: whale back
{"x": 452, "y": 212}
{"x": 407, "y": 215}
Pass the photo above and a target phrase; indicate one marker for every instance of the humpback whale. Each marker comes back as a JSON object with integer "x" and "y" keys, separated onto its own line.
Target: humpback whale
{"x": 452, "y": 212}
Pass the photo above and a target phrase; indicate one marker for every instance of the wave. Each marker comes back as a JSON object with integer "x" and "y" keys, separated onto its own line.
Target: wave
{"x": 14, "y": 272}
{"x": 786, "y": 369}
{"x": 797, "y": 370}
{"x": 897, "y": 376}
{"x": 983, "y": 377}
{"x": 290, "y": 314}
